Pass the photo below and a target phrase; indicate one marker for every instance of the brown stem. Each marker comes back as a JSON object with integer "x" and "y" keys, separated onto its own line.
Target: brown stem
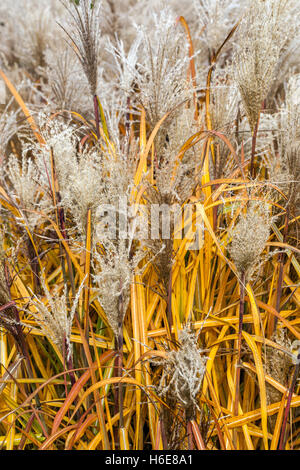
{"x": 238, "y": 365}
{"x": 27, "y": 429}
{"x": 119, "y": 373}
{"x": 280, "y": 275}
{"x": 97, "y": 119}
{"x": 69, "y": 262}
{"x": 69, "y": 363}
{"x": 190, "y": 435}
{"x": 254, "y": 138}
{"x": 169, "y": 307}
{"x": 163, "y": 434}
{"x": 34, "y": 266}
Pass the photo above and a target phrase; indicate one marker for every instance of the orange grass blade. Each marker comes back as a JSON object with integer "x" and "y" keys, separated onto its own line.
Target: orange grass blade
{"x": 197, "y": 435}
{"x": 76, "y": 389}
{"x": 192, "y": 68}
{"x": 24, "y": 108}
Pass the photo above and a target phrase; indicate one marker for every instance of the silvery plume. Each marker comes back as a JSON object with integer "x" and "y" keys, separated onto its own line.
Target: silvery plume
{"x": 183, "y": 371}
{"x": 261, "y": 38}
{"x": 249, "y": 237}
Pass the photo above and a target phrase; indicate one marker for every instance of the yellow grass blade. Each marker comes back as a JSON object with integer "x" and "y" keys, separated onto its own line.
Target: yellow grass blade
{"x": 261, "y": 380}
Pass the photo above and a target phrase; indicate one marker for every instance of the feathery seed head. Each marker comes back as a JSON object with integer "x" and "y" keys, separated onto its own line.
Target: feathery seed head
{"x": 116, "y": 257}
{"x": 183, "y": 371}
{"x": 216, "y": 18}
{"x": 285, "y": 167}
{"x": 84, "y": 33}
{"x": 82, "y": 190}
{"x": 65, "y": 82}
{"x": 249, "y": 238}
{"x": 261, "y": 39}
{"x": 224, "y": 112}
{"x": 53, "y": 317}
{"x": 25, "y": 189}
{"x": 8, "y": 128}
{"x": 115, "y": 267}
{"x": 28, "y": 29}
{"x": 162, "y": 68}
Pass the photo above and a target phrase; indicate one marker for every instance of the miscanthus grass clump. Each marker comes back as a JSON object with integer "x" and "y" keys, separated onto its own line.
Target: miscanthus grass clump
{"x": 149, "y": 180}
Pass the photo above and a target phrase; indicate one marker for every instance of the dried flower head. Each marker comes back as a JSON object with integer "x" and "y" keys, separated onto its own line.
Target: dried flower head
{"x": 176, "y": 176}
{"x": 65, "y": 83}
{"x": 285, "y": 169}
{"x": 161, "y": 77}
{"x": 216, "y": 18}
{"x": 54, "y": 318}
{"x": 261, "y": 39}
{"x": 224, "y": 112}
{"x": 25, "y": 189}
{"x": 28, "y": 29}
{"x": 125, "y": 64}
{"x": 79, "y": 171}
{"x": 183, "y": 371}
{"x": 81, "y": 182}
{"x": 8, "y": 128}
{"x": 249, "y": 238}
{"x": 118, "y": 253}
{"x": 85, "y": 34}
{"x": 115, "y": 267}
{"x": 288, "y": 60}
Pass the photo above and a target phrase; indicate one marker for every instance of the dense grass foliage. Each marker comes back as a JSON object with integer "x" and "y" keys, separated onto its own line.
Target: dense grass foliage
{"x": 149, "y": 192}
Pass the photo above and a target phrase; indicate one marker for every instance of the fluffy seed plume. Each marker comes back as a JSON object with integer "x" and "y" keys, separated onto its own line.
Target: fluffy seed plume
{"x": 115, "y": 273}
{"x": 261, "y": 38}
{"x": 161, "y": 76}
{"x": 84, "y": 34}
{"x": 249, "y": 238}
{"x": 25, "y": 190}
{"x": 183, "y": 371}
{"x": 65, "y": 81}
{"x": 54, "y": 318}
{"x": 286, "y": 170}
